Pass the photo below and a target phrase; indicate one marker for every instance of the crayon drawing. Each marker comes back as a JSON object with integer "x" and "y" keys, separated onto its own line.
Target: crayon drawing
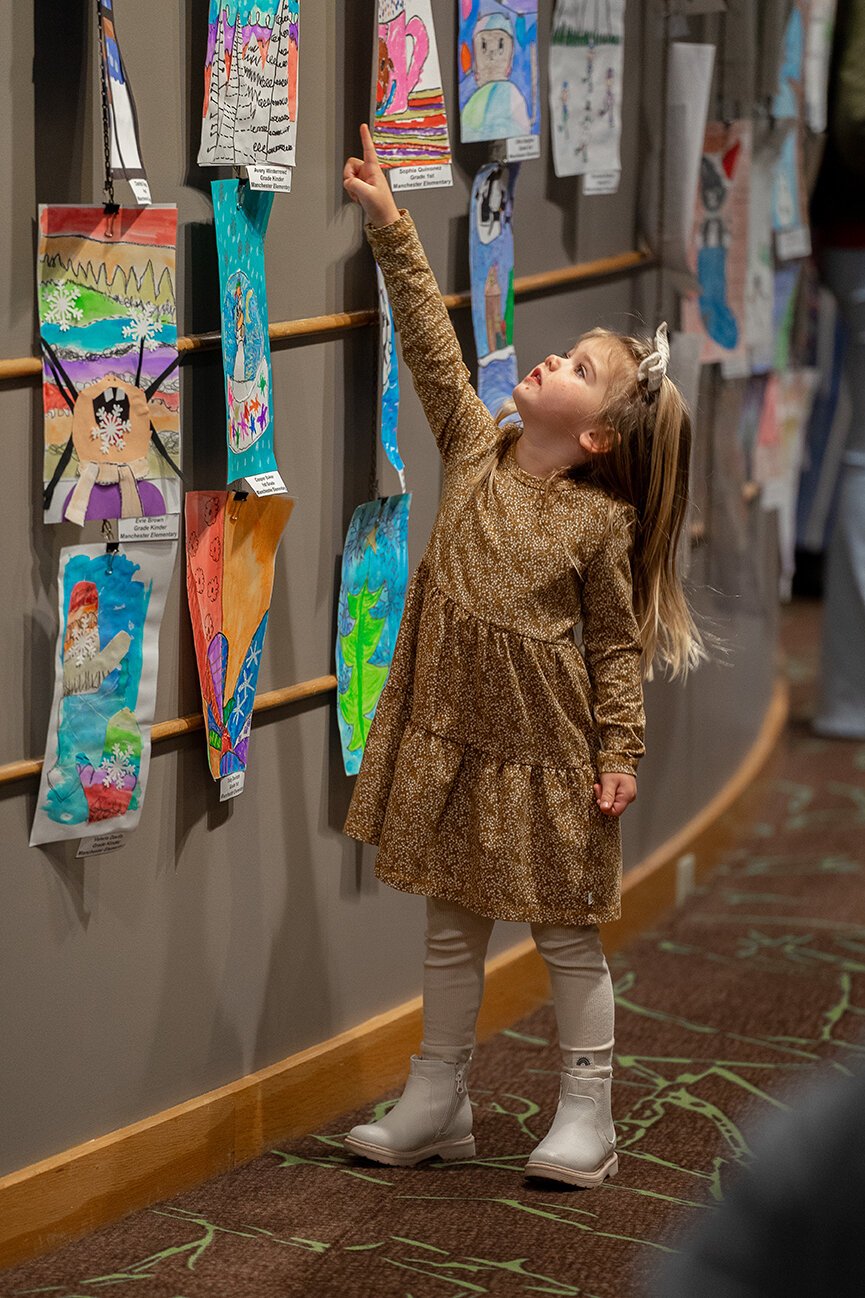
{"x": 98, "y": 748}
{"x": 410, "y": 125}
{"x": 388, "y": 379}
{"x": 108, "y": 333}
{"x": 497, "y": 54}
{"x": 231, "y": 546}
{"x": 371, "y": 601}
{"x": 719, "y": 244}
{"x": 123, "y": 120}
{"x": 491, "y": 258}
{"x": 250, "y": 84}
{"x": 586, "y": 67}
{"x": 241, "y": 215}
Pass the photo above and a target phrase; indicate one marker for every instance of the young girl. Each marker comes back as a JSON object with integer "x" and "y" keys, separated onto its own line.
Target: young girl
{"x": 501, "y": 756}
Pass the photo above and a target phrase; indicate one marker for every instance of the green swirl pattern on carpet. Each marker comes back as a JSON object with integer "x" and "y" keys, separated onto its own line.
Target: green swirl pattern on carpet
{"x": 756, "y": 982}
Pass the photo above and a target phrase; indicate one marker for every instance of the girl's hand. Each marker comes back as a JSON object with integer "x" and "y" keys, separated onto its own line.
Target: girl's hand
{"x": 364, "y": 182}
{"x": 614, "y": 792}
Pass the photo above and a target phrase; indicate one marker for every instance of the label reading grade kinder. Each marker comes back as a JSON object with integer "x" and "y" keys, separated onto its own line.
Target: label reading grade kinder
{"x": 101, "y": 843}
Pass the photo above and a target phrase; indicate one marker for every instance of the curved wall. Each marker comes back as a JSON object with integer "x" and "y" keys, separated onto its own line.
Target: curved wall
{"x": 225, "y": 937}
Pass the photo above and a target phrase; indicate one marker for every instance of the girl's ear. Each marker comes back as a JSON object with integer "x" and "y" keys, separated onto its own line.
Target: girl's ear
{"x": 595, "y": 441}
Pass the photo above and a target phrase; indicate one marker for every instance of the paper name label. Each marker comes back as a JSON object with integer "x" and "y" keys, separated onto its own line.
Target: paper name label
{"x": 601, "y": 182}
{"x": 790, "y": 244}
{"x": 275, "y": 179}
{"x": 523, "y": 146}
{"x": 266, "y": 484}
{"x": 166, "y": 527}
{"x": 230, "y": 786}
{"x": 434, "y": 177}
{"x": 141, "y": 190}
{"x": 101, "y": 844}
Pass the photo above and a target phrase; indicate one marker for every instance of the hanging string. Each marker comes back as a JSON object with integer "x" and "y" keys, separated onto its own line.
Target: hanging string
{"x": 662, "y": 164}
{"x": 108, "y": 185}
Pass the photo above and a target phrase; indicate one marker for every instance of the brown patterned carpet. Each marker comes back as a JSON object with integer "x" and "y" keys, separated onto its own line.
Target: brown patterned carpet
{"x": 754, "y": 983}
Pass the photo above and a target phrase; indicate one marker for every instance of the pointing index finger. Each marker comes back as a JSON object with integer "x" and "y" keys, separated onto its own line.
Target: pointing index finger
{"x": 369, "y": 153}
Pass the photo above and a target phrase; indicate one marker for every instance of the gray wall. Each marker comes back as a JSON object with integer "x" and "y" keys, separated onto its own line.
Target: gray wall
{"x": 223, "y": 938}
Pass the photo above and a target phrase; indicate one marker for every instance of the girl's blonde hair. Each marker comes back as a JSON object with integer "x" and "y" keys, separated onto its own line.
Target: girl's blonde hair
{"x": 647, "y": 465}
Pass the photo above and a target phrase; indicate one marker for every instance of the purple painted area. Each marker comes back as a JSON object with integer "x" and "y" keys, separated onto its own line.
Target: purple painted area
{"x": 217, "y": 657}
{"x": 83, "y": 373}
{"x": 261, "y": 32}
{"x": 105, "y": 501}
{"x": 228, "y": 33}
{"x": 212, "y": 29}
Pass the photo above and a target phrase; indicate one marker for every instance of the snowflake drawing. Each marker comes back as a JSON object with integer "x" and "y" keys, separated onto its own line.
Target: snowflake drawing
{"x": 117, "y": 766}
{"x": 144, "y": 325}
{"x": 62, "y": 306}
{"x": 112, "y": 429}
{"x": 85, "y": 642}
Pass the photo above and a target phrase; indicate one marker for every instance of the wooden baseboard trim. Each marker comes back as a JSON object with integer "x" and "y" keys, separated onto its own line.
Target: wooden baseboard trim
{"x": 63, "y": 1197}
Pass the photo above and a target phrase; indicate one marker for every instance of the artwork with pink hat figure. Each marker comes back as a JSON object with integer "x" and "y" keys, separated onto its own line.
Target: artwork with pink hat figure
{"x": 497, "y": 65}
{"x": 110, "y": 383}
{"x": 719, "y": 244}
{"x": 97, "y": 752}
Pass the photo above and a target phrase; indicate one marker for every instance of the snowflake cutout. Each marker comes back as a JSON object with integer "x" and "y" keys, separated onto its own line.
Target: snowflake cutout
{"x": 117, "y": 766}
{"x": 112, "y": 429}
{"x": 84, "y": 643}
{"x": 144, "y": 325}
{"x": 62, "y": 304}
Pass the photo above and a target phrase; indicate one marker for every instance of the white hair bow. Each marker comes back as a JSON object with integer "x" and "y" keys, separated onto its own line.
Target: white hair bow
{"x": 654, "y": 367}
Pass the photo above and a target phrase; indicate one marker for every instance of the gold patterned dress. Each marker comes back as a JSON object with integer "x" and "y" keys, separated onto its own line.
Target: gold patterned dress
{"x": 477, "y": 778}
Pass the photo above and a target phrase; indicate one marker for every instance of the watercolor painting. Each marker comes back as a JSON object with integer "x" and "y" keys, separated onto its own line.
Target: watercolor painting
{"x": 250, "y": 84}
{"x": 497, "y": 66}
{"x": 97, "y": 752}
{"x": 388, "y": 379}
{"x": 110, "y": 389}
{"x": 586, "y": 69}
{"x": 491, "y": 258}
{"x": 241, "y": 215}
{"x": 719, "y": 242}
{"x": 371, "y": 602}
{"x": 126, "y": 160}
{"x": 231, "y": 545}
{"x": 410, "y": 123}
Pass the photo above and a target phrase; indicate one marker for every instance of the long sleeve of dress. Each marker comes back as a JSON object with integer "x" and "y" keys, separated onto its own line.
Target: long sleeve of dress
{"x": 613, "y": 652}
{"x": 459, "y": 420}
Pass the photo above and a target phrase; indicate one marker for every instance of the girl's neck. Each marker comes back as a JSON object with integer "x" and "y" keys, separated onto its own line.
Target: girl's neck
{"x": 538, "y": 459}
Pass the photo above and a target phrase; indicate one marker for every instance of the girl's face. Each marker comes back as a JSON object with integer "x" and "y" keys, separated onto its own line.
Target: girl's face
{"x": 561, "y": 398}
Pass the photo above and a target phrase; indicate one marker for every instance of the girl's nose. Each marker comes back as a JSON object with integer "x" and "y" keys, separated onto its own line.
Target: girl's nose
{"x": 552, "y": 361}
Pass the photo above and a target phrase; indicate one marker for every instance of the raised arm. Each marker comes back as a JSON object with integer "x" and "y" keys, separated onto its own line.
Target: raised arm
{"x": 460, "y": 422}
{"x": 613, "y": 652}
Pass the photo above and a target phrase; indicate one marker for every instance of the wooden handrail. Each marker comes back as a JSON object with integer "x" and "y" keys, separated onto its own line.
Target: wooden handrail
{"x": 161, "y": 730}
{"x": 23, "y": 367}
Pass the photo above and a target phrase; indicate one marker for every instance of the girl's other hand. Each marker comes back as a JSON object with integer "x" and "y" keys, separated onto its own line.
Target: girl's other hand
{"x": 615, "y": 792}
{"x": 365, "y": 183}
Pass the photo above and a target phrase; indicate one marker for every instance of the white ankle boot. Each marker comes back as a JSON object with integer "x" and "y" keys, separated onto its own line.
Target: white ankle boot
{"x": 431, "y": 1119}
{"x": 580, "y": 1148}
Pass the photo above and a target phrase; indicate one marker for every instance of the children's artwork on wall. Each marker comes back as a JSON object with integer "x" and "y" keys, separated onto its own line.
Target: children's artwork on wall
{"x": 240, "y": 216}
{"x": 98, "y": 749}
{"x": 818, "y": 49}
{"x": 491, "y": 258}
{"x": 250, "y": 84}
{"x": 108, "y": 333}
{"x": 410, "y": 129}
{"x": 778, "y": 456}
{"x": 388, "y": 379}
{"x": 788, "y": 99}
{"x": 586, "y": 67}
{"x": 720, "y": 242}
{"x": 126, "y": 160}
{"x": 497, "y": 53}
{"x": 231, "y": 546}
{"x": 789, "y": 199}
{"x": 371, "y": 601}
{"x": 759, "y": 283}
{"x": 786, "y": 284}
{"x": 679, "y": 151}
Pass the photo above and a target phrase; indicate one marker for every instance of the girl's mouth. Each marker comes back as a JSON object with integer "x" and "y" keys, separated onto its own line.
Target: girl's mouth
{"x": 535, "y": 376}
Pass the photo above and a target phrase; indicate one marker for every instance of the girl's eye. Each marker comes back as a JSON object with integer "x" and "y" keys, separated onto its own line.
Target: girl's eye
{"x": 581, "y": 370}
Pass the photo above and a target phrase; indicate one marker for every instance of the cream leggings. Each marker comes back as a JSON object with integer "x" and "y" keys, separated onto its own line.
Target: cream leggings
{"x": 456, "y": 944}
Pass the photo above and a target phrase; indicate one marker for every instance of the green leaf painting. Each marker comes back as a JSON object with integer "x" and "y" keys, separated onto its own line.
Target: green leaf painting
{"x": 366, "y": 680}
{"x": 371, "y": 600}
